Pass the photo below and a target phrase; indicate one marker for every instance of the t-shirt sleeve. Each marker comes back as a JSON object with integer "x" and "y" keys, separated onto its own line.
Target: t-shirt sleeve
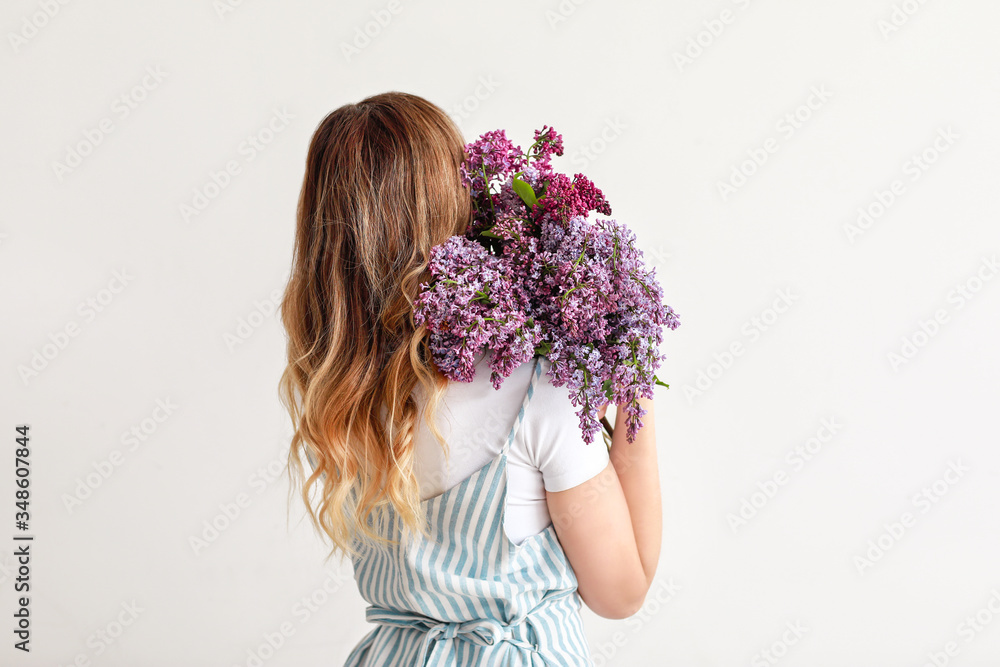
{"x": 553, "y": 439}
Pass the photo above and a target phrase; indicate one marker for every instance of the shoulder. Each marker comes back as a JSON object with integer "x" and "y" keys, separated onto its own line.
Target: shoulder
{"x": 550, "y": 402}
{"x": 553, "y": 439}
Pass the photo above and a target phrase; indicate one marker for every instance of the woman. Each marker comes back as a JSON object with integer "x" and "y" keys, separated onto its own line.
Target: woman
{"x": 476, "y": 519}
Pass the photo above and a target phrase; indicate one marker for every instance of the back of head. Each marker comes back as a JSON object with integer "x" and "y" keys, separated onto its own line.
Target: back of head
{"x": 382, "y": 186}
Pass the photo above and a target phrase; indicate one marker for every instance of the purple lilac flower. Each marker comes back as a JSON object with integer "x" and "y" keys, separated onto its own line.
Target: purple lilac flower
{"x": 566, "y": 199}
{"x": 492, "y": 155}
{"x": 542, "y": 278}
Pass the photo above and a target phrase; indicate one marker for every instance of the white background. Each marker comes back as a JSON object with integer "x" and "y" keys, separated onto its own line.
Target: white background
{"x": 189, "y": 321}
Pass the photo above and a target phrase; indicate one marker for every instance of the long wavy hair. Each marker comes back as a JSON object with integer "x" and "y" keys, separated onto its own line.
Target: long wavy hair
{"x": 382, "y": 186}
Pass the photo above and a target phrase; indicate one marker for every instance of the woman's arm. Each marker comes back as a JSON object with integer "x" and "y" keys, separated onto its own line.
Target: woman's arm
{"x": 611, "y": 525}
{"x": 639, "y": 475}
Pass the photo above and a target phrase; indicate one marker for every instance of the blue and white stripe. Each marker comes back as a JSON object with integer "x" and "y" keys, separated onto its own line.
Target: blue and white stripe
{"x": 466, "y": 594}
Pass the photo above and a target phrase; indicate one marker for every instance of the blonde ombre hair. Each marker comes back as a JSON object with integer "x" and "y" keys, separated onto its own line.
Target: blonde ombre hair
{"x": 381, "y": 187}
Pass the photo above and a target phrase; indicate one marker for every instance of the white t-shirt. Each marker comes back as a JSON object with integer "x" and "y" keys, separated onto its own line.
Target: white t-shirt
{"x": 548, "y": 451}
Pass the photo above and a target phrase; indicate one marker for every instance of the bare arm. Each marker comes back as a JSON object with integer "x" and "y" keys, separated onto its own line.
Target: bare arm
{"x": 611, "y": 525}
{"x": 639, "y": 475}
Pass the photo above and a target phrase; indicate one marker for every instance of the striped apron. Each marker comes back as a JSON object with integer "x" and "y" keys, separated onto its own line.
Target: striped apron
{"x": 467, "y": 595}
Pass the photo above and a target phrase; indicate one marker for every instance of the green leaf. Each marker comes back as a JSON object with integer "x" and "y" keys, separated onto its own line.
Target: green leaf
{"x": 608, "y": 391}
{"x": 660, "y": 382}
{"x": 524, "y": 191}
{"x": 487, "y": 233}
{"x": 544, "y": 348}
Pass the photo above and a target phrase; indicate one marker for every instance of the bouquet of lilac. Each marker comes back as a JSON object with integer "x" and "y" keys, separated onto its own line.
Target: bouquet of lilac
{"x": 534, "y": 275}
